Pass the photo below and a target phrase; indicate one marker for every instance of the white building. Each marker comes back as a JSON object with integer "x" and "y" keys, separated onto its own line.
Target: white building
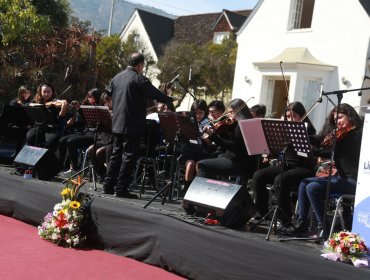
{"x": 310, "y": 42}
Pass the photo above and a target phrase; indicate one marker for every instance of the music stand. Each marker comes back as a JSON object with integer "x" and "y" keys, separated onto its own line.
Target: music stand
{"x": 275, "y": 137}
{"x": 96, "y": 117}
{"x": 41, "y": 117}
{"x": 174, "y": 127}
{"x": 15, "y": 115}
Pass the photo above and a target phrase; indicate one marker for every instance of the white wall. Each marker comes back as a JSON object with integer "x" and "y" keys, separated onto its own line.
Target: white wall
{"x": 339, "y": 36}
{"x": 135, "y": 25}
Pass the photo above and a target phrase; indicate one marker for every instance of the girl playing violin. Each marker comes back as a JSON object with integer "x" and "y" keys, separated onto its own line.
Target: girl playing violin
{"x": 235, "y": 160}
{"x": 296, "y": 168}
{"x": 312, "y": 191}
{"x": 48, "y": 136}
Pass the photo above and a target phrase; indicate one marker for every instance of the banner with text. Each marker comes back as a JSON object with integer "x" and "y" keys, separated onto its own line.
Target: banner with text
{"x": 361, "y": 216}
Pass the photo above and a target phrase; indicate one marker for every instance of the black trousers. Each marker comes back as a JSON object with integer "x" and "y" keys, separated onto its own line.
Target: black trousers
{"x": 210, "y": 168}
{"x": 271, "y": 175}
{"x": 41, "y": 137}
{"x": 68, "y": 148}
{"x": 122, "y": 162}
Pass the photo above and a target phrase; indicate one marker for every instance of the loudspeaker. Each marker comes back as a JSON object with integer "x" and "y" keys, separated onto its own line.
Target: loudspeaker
{"x": 43, "y": 161}
{"x": 231, "y": 203}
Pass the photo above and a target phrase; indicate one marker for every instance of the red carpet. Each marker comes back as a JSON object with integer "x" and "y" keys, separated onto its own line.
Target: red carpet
{"x": 23, "y": 255}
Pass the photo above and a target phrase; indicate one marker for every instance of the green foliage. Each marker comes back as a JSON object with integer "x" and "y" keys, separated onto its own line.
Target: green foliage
{"x": 58, "y": 11}
{"x": 19, "y": 21}
{"x": 212, "y": 67}
{"x": 110, "y": 58}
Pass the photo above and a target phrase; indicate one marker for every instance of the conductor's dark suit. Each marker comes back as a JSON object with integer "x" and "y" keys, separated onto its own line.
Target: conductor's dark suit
{"x": 129, "y": 91}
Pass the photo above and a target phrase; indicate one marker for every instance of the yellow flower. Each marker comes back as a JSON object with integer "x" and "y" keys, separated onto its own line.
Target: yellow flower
{"x": 66, "y": 192}
{"x": 74, "y": 204}
{"x": 64, "y": 211}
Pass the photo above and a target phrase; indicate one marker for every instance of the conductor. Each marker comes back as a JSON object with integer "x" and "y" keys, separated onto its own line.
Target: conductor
{"x": 129, "y": 90}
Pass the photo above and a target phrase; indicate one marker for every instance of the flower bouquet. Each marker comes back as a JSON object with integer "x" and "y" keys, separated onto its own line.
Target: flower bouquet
{"x": 346, "y": 247}
{"x": 63, "y": 225}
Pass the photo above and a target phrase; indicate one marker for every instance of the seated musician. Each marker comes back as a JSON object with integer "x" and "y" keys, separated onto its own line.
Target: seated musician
{"x": 258, "y": 111}
{"x": 296, "y": 168}
{"x": 24, "y": 97}
{"x": 104, "y": 143}
{"x": 48, "y": 136}
{"x": 312, "y": 191}
{"x": 77, "y": 136}
{"x": 192, "y": 152}
{"x": 16, "y": 129}
{"x": 235, "y": 160}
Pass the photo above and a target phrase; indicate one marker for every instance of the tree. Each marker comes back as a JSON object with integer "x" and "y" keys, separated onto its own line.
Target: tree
{"x": 112, "y": 56}
{"x": 58, "y": 11}
{"x": 212, "y": 67}
{"x": 219, "y": 66}
{"x": 20, "y": 22}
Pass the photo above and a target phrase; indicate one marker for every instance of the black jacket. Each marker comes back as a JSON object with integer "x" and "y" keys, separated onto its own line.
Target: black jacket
{"x": 129, "y": 91}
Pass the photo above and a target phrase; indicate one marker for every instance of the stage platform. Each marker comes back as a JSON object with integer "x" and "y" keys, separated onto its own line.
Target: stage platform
{"x": 165, "y": 236}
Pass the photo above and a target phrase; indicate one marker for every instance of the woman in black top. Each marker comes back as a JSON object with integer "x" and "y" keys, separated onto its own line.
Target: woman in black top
{"x": 296, "y": 168}
{"x": 312, "y": 191}
{"x": 46, "y": 135}
{"x": 24, "y": 97}
{"x": 235, "y": 160}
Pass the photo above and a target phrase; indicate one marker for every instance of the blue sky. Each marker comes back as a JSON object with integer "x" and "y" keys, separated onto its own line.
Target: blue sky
{"x": 186, "y": 7}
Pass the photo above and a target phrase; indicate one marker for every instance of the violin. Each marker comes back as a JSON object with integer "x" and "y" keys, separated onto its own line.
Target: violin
{"x": 54, "y": 103}
{"x": 340, "y": 134}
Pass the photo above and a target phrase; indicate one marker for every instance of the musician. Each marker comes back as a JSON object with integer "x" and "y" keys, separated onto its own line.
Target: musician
{"x": 129, "y": 90}
{"x": 24, "y": 97}
{"x": 235, "y": 160}
{"x": 215, "y": 109}
{"x": 104, "y": 143}
{"x": 258, "y": 111}
{"x": 48, "y": 136}
{"x": 295, "y": 169}
{"x": 312, "y": 191}
{"x": 77, "y": 136}
{"x": 193, "y": 152}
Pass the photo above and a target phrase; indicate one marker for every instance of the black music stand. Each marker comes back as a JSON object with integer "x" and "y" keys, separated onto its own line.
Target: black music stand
{"x": 97, "y": 118}
{"x": 41, "y": 117}
{"x": 174, "y": 127}
{"x": 15, "y": 116}
{"x": 275, "y": 136}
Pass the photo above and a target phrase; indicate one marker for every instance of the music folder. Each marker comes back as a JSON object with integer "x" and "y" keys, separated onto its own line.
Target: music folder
{"x": 254, "y": 136}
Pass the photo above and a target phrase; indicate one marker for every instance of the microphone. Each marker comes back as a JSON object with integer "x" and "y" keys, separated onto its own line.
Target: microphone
{"x": 174, "y": 79}
{"x": 321, "y": 86}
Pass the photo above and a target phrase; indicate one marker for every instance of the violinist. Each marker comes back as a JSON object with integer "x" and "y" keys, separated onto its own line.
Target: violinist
{"x": 77, "y": 136}
{"x": 296, "y": 168}
{"x": 235, "y": 160}
{"x": 48, "y": 136}
{"x": 312, "y": 191}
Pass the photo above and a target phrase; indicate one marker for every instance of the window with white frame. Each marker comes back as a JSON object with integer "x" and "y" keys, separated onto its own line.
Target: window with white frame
{"x": 218, "y": 37}
{"x": 310, "y": 95}
{"x": 301, "y": 14}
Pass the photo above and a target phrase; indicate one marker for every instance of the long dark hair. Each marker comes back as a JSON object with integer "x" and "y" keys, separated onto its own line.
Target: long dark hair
{"x": 38, "y": 98}
{"x": 345, "y": 109}
{"x": 298, "y": 108}
{"x": 242, "y": 109}
{"x": 21, "y": 90}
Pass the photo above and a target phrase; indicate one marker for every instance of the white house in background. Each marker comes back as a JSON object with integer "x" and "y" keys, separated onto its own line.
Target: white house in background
{"x": 151, "y": 30}
{"x": 311, "y": 42}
